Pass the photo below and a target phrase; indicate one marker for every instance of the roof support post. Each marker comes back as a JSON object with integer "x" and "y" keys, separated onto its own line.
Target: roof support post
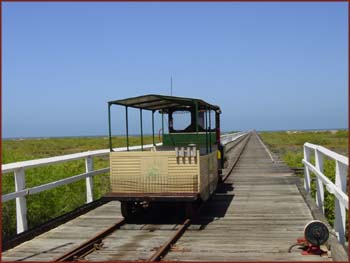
{"x": 141, "y": 130}
{"x": 206, "y": 130}
{"x": 217, "y": 127}
{"x": 162, "y": 125}
{"x": 109, "y": 127}
{"x": 196, "y": 113}
{"x": 127, "y": 127}
{"x": 210, "y": 149}
{"x": 153, "y": 127}
{"x": 196, "y": 120}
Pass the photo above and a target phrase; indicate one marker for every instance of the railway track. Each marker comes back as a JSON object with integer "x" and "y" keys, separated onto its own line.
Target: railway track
{"x": 90, "y": 245}
{"x": 104, "y": 241}
{"x": 152, "y": 237}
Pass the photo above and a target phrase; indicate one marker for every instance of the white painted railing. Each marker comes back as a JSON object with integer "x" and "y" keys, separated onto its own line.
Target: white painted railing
{"x": 20, "y": 186}
{"x": 226, "y": 138}
{"x": 21, "y": 191}
{"x": 338, "y": 189}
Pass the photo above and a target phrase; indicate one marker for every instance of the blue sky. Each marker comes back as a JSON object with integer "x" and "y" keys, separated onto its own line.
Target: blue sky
{"x": 269, "y": 66}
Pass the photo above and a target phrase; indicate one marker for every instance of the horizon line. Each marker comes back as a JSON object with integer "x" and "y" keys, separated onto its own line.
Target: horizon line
{"x": 138, "y": 135}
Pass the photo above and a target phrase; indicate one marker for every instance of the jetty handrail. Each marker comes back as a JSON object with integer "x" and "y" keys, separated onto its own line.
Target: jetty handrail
{"x": 338, "y": 189}
{"x": 21, "y": 191}
{"x": 229, "y": 137}
{"x": 20, "y": 186}
{"x": 11, "y": 167}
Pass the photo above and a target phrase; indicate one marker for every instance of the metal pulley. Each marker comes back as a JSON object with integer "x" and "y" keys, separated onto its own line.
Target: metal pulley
{"x": 316, "y": 233}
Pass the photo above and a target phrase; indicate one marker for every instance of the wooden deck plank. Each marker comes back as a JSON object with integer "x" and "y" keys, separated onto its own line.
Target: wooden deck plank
{"x": 50, "y": 245}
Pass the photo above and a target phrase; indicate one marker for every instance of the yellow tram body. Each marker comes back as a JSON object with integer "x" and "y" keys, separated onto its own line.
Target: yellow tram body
{"x": 163, "y": 172}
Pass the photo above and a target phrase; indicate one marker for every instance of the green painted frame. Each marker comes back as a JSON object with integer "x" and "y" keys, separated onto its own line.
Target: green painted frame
{"x": 162, "y": 103}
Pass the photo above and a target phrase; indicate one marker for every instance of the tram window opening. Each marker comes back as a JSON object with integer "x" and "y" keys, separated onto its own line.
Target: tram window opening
{"x": 180, "y": 120}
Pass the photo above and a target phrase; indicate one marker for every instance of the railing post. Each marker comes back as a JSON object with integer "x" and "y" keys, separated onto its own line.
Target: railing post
{"x": 340, "y": 213}
{"x": 21, "y": 202}
{"x": 89, "y": 167}
{"x": 306, "y": 170}
{"x": 319, "y": 183}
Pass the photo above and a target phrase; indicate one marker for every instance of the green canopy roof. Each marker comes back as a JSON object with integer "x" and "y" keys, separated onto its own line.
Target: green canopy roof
{"x": 162, "y": 102}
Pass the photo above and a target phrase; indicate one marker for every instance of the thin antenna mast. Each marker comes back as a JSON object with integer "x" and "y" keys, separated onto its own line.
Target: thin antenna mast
{"x": 171, "y": 86}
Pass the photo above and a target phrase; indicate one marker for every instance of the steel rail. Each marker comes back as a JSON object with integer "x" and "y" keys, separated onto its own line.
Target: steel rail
{"x": 164, "y": 249}
{"x": 90, "y": 245}
{"x": 159, "y": 254}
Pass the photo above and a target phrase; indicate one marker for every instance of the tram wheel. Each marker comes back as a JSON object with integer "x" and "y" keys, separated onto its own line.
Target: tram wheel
{"x": 129, "y": 209}
{"x": 190, "y": 210}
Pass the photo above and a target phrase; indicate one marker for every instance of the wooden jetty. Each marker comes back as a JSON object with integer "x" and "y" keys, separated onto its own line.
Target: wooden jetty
{"x": 256, "y": 215}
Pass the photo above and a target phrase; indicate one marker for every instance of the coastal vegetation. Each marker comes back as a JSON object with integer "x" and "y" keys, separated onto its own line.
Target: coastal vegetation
{"x": 288, "y": 146}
